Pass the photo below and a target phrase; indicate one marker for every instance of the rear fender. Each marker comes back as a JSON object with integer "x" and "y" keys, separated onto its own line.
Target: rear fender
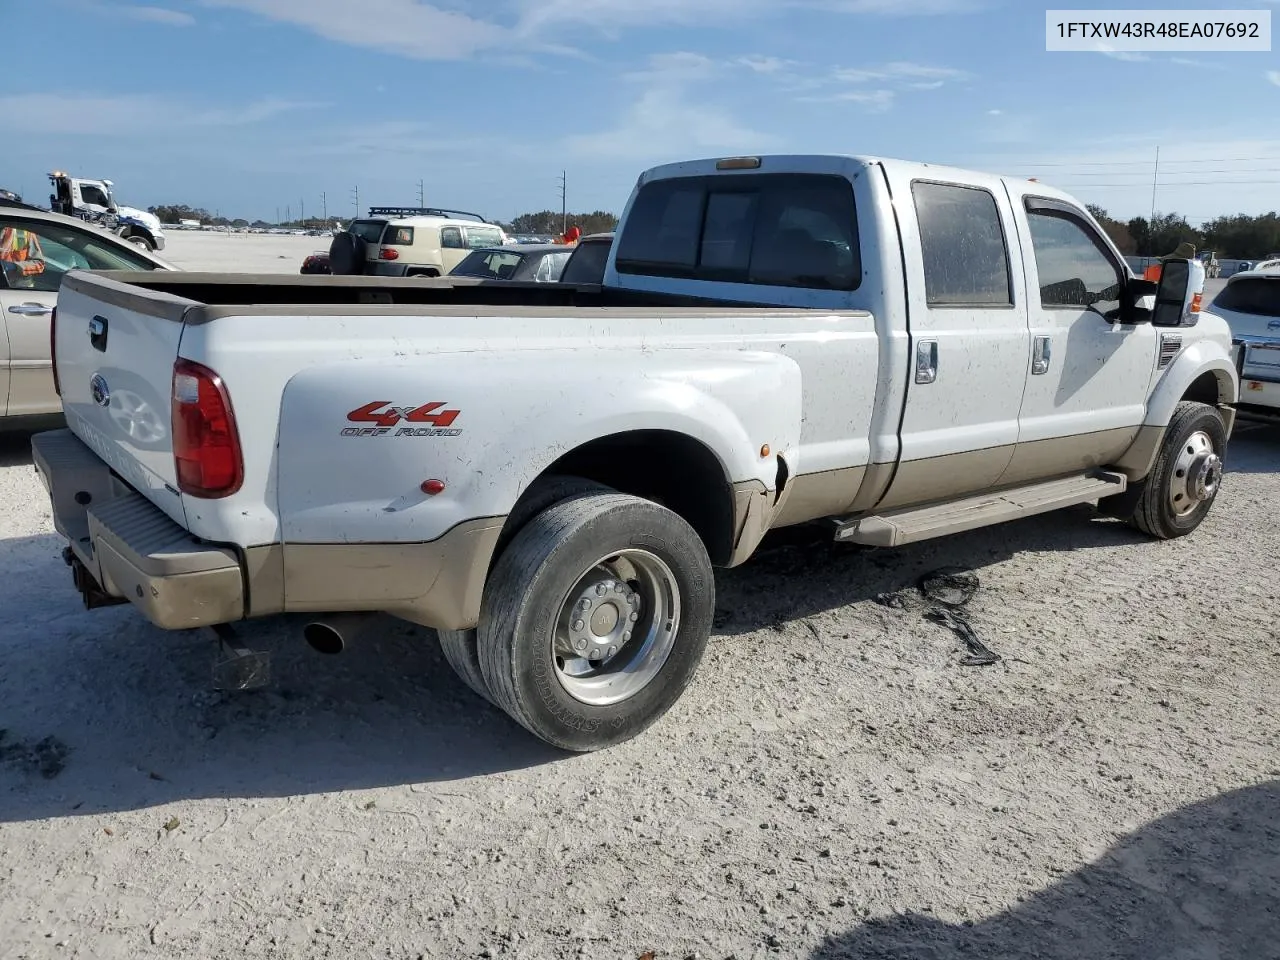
{"x": 502, "y": 419}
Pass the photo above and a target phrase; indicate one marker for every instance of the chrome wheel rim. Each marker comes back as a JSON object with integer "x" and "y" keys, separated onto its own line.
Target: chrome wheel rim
{"x": 616, "y": 628}
{"x": 1197, "y": 473}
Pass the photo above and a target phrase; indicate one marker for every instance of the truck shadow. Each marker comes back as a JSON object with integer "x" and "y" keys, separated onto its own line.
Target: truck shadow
{"x": 101, "y": 712}
{"x": 1200, "y": 882}
{"x": 15, "y": 448}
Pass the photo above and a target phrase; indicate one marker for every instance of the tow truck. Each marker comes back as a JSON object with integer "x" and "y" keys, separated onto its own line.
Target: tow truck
{"x": 93, "y": 202}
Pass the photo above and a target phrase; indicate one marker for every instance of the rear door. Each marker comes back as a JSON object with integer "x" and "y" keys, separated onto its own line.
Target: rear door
{"x": 969, "y": 337}
{"x": 35, "y": 256}
{"x": 370, "y": 231}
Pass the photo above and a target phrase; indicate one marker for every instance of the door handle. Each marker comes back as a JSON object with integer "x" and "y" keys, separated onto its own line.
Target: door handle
{"x": 926, "y": 361}
{"x": 1040, "y": 356}
{"x": 31, "y": 310}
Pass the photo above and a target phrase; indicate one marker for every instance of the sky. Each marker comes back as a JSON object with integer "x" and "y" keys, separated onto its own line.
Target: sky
{"x": 247, "y": 107}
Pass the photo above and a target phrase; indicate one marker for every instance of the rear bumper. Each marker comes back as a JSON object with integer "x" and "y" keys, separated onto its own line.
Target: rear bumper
{"x": 130, "y": 549}
{"x": 123, "y": 548}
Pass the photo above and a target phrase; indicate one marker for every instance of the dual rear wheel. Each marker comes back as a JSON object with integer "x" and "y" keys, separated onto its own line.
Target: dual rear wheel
{"x": 594, "y": 618}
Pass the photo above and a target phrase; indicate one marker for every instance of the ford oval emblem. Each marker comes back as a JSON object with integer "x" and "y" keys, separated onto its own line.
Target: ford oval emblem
{"x": 1273, "y": 325}
{"x": 99, "y": 390}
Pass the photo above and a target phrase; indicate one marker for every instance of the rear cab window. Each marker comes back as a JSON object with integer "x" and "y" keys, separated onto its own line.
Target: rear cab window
{"x": 966, "y": 258}
{"x": 1257, "y": 295}
{"x": 587, "y": 263}
{"x": 370, "y": 231}
{"x": 489, "y": 264}
{"x": 781, "y": 230}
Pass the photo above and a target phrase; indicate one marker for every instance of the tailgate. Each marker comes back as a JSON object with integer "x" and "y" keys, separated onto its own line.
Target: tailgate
{"x": 115, "y": 347}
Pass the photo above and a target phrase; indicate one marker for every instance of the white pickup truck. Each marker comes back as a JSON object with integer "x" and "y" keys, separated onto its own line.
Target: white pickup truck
{"x": 548, "y": 474}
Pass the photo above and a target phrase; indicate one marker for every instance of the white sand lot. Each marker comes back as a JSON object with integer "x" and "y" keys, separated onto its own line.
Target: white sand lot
{"x": 239, "y": 252}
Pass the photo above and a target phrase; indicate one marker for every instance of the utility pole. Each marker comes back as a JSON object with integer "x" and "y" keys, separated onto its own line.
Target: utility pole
{"x": 355, "y": 194}
{"x": 302, "y": 205}
{"x": 564, "y": 202}
{"x": 288, "y": 214}
{"x": 421, "y": 194}
{"x": 277, "y": 216}
{"x": 1154, "y": 180}
{"x": 324, "y": 207}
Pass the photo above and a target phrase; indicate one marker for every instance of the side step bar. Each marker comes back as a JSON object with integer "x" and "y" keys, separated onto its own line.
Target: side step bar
{"x": 898, "y": 527}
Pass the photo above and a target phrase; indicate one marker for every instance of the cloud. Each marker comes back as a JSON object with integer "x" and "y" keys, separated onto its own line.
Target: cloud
{"x": 995, "y": 113}
{"x": 889, "y": 80}
{"x": 1126, "y": 55}
{"x": 1274, "y": 77}
{"x": 404, "y": 27}
{"x": 173, "y": 18}
{"x": 766, "y": 65}
{"x": 58, "y": 114}
{"x": 663, "y": 125}
{"x": 450, "y": 30}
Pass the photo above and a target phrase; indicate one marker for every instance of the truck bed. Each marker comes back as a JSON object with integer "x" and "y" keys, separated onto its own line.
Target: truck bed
{"x": 214, "y": 293}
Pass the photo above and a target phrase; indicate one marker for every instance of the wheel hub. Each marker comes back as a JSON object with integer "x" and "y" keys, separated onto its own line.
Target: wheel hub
{"x": 1196, "y": 476}
{"x": 602, "y": 620}
{"x": 616, "y": 627}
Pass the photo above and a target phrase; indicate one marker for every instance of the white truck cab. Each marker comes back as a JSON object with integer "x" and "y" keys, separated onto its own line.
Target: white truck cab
{"x": 548, "y": 473}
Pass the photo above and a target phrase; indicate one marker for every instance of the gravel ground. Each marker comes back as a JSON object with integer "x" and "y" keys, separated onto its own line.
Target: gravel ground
{"x": 833, "y": 784}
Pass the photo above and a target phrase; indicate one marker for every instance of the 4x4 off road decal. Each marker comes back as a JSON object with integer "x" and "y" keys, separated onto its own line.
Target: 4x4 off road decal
{"x": 428, "y": 420}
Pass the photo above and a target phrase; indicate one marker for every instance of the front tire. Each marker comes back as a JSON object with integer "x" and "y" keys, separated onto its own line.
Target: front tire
{"x": 138, "y": 240}
{"x": 1184, "y": 481}
{"x": 595, "y": 618}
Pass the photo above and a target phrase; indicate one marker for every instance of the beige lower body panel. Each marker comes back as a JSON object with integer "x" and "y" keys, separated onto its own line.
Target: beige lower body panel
{"x": 1065, "y": 455}
{"x": 945, "y": 478}
{"x": 437, "y": 584}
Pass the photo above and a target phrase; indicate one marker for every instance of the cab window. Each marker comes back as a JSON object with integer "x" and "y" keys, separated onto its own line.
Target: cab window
{"x": 451, "y": 238}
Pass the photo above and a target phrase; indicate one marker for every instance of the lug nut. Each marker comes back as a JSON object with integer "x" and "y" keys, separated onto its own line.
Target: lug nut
{"x": 626, "y": 637}
{"x": 580, "y": 645}
{"x": 612, "y": 651}
{"x": 634, "y": 617}
{"x": 601, "y": 590}
{"x": 584, "y": 604}
{"x": 595, "y": 655}
{"x": 578, "y": 624}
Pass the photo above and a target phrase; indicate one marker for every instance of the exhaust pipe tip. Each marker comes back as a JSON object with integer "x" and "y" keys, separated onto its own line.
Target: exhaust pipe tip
{"x": 323, "y": 638}
{"x": 330, "y": 635}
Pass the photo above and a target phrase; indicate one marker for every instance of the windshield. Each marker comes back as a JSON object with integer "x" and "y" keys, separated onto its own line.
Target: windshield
{"x": 1256, "y": 295}
{"x": 489, "y": 265}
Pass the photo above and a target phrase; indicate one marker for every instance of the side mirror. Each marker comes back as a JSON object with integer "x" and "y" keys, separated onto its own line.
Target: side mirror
{"x": 1179, "y": 295}
{"x": 1140, "y": 300}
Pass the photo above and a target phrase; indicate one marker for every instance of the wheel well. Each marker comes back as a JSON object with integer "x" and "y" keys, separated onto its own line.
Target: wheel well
{"x": 667, "y": 467}
{"x": 1206, "y": 388}
{"x": 429, "y": 272}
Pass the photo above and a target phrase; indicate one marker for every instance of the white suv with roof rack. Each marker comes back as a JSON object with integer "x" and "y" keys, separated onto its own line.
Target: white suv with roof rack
{"x": 410, "y": 242}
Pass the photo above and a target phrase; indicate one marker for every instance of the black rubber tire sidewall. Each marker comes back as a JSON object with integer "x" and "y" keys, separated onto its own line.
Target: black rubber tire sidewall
{"x": 1154, "y": 514}
{"x": 459, "y": 646}
{"x": 524, "y": 596}
{"x": 345, "y": 255}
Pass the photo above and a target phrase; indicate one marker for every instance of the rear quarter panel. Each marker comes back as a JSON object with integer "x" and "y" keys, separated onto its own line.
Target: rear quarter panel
{"x": 502, "y": 419}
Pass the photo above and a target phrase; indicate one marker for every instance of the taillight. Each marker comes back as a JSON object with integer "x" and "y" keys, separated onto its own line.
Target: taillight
{"x": 388, "y": 253}
{"x": 53, "y": 349}
{"x": 206, "y": 443}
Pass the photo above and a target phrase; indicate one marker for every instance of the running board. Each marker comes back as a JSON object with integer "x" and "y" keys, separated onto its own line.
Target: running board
{"x": 899, "y": 527}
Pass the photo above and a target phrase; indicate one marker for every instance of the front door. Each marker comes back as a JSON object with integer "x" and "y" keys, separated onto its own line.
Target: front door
{"x": 1089, "y": 375}
{"x": 969, "y": 339}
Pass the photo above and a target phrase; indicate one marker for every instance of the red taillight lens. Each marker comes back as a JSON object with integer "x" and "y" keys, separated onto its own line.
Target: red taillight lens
{"x": 53, "y": 349}
{"x": 389, "y": 254}
{"x": 206, "y": 443}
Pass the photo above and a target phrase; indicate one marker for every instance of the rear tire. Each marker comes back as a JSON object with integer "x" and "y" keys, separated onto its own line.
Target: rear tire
{"x": 1177, "y": 495}
{"x": 595, "y": 619}
{"x": 138, "y": 240}
{"x": 459, "y": 646}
